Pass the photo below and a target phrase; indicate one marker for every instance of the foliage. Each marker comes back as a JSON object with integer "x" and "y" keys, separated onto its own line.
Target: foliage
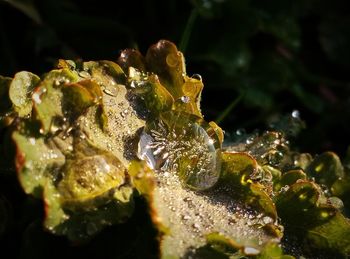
{"x": 78, "y": 132}
{"x": 83, "y": 157}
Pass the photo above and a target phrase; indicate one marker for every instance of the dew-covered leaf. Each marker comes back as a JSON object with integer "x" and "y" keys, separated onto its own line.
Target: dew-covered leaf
{"x": 73, "y": 152}
{"x": 326, "y": 168}
{"x": 35, "y": 158}
{"x": 148, "y": 87}
{"x": 269, "y": 148}
{"x": 238, "y": 169}
{"x": 168, "y": 63}
{"x": 20, "y": 92}
{"x": 332, "y": 235}
{"x": 290, "y": 177}
{"x": 319, "y": 224}
{"x": 49, "y": 92}
{"x": 131, "y": 58}
{"x": 186, "y": 217}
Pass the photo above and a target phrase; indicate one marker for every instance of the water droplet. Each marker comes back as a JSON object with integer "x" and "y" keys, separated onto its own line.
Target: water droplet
{"x": 32, "y": 141}
{"x": 185, "y": 99}
{"x": 336, "y": 202}
{"x": 193, "y": 155}
{"x": 111, "y": 91}
{"x": 197, "y": 76}
{"x": 187, "y": 199}
{"x": 296, "y": 114}
{"x": 267, "y": 220}
{"x": 240, "y": 132}
{"x": 84, "y": 74}
{"x": 251, "y": 250}
{"x": 196, "y": 226}
{"x": 186, "y": 217}
{"x": 37, "y": 95}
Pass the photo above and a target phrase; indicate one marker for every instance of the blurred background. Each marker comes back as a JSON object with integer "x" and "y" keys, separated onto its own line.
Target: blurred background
{"x": 260, "y": 60}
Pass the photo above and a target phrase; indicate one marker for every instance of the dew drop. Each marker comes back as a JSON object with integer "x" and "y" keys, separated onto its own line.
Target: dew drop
{"x": 251, "y": 250}
{"x": 296, "y": 114}
{"x": 84, "y": 74}
{"x": 179, "y": 142}
{"x": 267, "y": 220}
{"x": 197, "y": 76}
{"x": 185, "y": 99}
{"x": 186, "y": 217}
{"x": 32, "y": 141}
{"x": 37, "y": 95}
{"x": 111, "y": 92}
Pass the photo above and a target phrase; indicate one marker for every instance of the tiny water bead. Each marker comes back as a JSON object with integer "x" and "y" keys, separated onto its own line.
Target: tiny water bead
{"x": 184, "y": 144}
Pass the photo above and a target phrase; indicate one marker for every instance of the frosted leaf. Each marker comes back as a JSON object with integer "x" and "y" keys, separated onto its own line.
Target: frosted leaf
{"x": 183, "y": 144}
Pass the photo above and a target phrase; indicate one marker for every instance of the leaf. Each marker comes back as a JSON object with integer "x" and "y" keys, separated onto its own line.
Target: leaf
{"x": 332, "y": 235}
{"x": 82, "y": 177}
{"x": 290, "y": 177}
{"x": 20, "y": 92}
{"x": 239, "y": 170}
{"x": 35, "y": 159}
{"x": 47, "y": 93}
{"x": 27, "y": 7}
{"x": 326, "y": 168}
{"x": 168, "y": 64}
{"x": 320, "y": 225}
{"x": 131, "y": 58}
{"x": 180, "y": 213}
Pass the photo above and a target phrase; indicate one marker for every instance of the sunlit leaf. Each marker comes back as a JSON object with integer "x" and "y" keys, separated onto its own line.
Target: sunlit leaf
{"x": 20, "y": 92}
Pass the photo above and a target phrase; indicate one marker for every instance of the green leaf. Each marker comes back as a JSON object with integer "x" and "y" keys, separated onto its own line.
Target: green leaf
{"x": 168, "y": 64}
{"x": 27, "y": 7}
{"x": 320, "y": 225}
{"x": 20, "y": 92}
{"x": 48, "y": 92}
{"x": 71, "y": 153}
{"x": 131, "y": 58}
{"x": 326, "y": 168}
{"x": 290, "y": 177}
{"x": 180, "y": 212}
{"x": 35, "y": 158}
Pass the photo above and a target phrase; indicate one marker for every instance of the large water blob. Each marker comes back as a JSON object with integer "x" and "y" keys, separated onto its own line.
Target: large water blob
{"x": 182, "y": 143}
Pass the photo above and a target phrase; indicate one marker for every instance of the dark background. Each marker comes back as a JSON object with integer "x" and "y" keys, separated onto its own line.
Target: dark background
{"x": 278, "y": 55}
{"x": 263, "y": 59}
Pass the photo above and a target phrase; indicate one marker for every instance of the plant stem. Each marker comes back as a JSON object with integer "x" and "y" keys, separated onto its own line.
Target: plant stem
{"x": 228, "y": 109}
{"x": 188, "y": 29}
